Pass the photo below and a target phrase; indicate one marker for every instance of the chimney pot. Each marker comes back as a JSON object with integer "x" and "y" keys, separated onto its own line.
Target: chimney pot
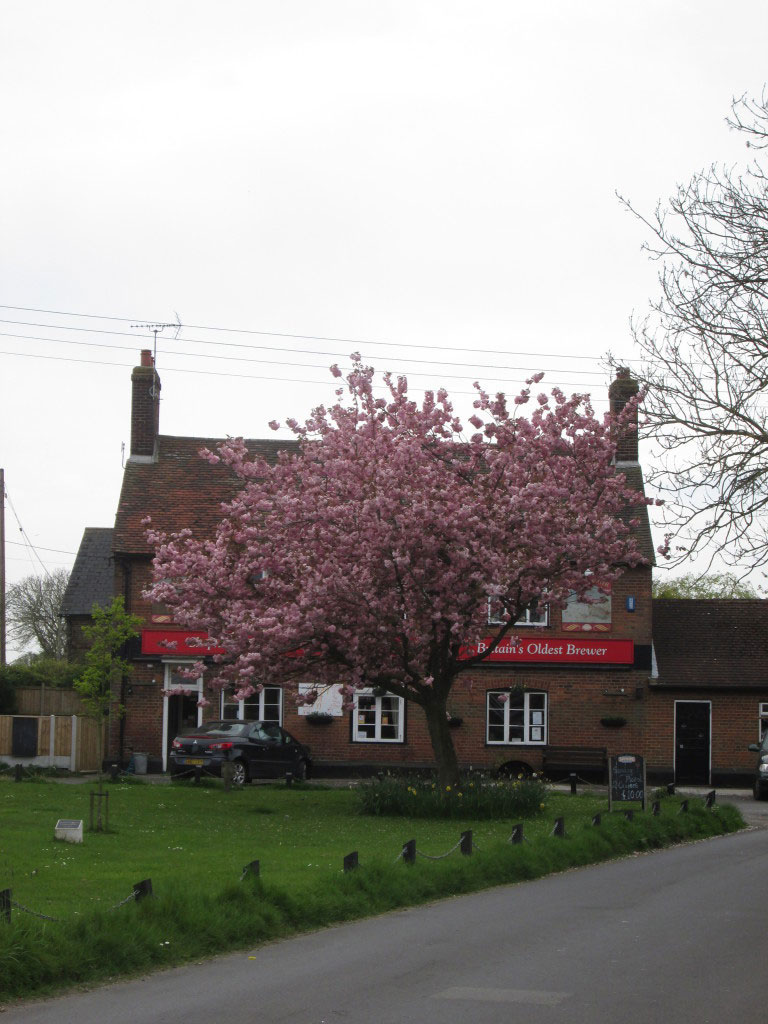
{"x": 146, "y": 357}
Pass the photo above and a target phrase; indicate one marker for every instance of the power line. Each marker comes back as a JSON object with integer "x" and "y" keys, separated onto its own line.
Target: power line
{"x": 267, "y": 348}
{"x": 280, "y": 362}
{"x": 28, "y": 543}
{"x": 287, "y": 334}
{"x": 218, "y": 373}
{"x": 59, "y": 551}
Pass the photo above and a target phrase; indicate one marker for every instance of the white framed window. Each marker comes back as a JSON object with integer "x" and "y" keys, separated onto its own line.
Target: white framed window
{"x": 266, "y": 706}
{"x": 532, "y": 617}
{"x": 763, "y": 724}
{"x": 516, "y": 717}
{"x": 378, "y": 719}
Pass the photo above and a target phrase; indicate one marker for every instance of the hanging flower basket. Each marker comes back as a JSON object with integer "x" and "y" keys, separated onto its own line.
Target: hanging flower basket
{"x": 613, "y": 721}
{"x": 454, "y": 721}
{"x": 319, "y": 718}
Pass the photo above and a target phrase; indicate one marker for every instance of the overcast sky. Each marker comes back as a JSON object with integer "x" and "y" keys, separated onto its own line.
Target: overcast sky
{"x": 432, "y": 182}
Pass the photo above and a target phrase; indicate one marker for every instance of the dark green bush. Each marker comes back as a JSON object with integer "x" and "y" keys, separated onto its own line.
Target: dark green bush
{"x": 475, "y": 797}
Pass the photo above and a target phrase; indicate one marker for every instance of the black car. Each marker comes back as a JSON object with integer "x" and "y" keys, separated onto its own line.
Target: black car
{"x": 256, "y": 750}
{"x": 760, "y": 788}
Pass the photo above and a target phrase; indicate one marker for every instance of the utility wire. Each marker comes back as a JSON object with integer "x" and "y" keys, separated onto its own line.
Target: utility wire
{"x": 281, "y": 362}
{"x": 269, "y": 348}
{"x": 286, "y": 334}
{"x": 235, "y": 376}
{"x": 30, "y": 546}
{"x": 59, "y": 551}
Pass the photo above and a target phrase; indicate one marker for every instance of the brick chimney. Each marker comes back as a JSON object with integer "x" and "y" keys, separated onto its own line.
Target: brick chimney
{"x": 621, "y": 390}
{"x": 145, "y": 409}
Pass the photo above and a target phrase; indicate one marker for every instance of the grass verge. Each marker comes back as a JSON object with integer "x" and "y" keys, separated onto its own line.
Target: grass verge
{"x": 193, "y": 843}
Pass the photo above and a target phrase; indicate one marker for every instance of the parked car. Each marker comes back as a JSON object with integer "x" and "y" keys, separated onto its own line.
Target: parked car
{"x": 760, "y": 788}
{"x": 256, "y": 750}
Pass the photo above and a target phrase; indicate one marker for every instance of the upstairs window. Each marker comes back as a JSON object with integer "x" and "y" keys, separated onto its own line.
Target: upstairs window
{"x": 532, "y": 616}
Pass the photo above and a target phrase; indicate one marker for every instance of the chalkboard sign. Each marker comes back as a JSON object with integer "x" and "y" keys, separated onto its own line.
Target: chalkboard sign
{"x": 626, "y": 774}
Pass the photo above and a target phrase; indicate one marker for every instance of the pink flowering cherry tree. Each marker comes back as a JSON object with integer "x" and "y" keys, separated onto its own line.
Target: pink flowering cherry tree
{"x": 367, "y": 555}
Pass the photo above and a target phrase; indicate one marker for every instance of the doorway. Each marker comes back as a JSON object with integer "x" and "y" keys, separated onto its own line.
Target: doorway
{"x": 692, "y": 742}
{"x": 180, "y": 705}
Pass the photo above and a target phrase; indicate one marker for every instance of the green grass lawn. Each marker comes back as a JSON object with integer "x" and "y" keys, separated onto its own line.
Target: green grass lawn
{"x": 204, "y": 836}
{"x": 193, "y": 842}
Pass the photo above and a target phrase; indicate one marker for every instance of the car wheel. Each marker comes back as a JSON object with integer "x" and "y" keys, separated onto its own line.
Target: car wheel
{"x": 239, "y": 773}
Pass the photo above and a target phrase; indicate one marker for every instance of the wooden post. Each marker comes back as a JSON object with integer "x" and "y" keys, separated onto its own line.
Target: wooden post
{"x": 142, "y": 889}
{"x": 5, "y": 905}
{"x": 253, "y": 868}
{"x": 351, "y": 861}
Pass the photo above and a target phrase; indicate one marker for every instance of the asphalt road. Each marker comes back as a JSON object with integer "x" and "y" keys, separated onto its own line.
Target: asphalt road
{"x": 675, "y": 936}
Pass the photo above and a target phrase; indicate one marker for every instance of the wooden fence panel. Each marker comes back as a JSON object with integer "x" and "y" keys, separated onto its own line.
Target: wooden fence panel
{"x": 87, "y": 742}
{"x": 47, "y": 700}
{"x": 6, "y": 735}
{"x": 88, "y": 745}
{"x": 63, "y": 740}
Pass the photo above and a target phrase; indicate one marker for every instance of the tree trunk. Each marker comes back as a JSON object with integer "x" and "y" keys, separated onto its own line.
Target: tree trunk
{"x": 442, "y": 742}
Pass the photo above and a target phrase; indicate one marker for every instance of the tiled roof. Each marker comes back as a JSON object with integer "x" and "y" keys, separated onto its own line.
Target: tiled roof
{"x": 92, "y": 578}
{"x": 180, "y": 490}
{"x": 642, "y": 531}
{"x": 711, "y": 643}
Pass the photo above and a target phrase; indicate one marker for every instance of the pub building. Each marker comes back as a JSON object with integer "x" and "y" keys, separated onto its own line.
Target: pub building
{"x": 574, "y": 685}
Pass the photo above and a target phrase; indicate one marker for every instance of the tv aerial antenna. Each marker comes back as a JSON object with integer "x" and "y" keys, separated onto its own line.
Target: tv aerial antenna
{"x": 158, "y": 329}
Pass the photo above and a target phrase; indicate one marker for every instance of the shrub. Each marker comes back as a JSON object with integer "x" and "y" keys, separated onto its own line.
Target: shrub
{"x": 475, "y": 797}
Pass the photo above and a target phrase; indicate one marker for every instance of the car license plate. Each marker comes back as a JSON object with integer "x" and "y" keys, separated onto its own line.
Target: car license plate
{"x": 194, "y": 760}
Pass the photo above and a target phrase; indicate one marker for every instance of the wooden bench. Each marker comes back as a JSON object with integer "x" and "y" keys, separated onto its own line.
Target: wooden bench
{"x": 564, "y": 760}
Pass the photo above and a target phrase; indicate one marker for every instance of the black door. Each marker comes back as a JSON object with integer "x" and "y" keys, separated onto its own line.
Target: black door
{"x": 692, "y": 742}
{"x": 24, "y": 737}
{"x": 182, "y": 715}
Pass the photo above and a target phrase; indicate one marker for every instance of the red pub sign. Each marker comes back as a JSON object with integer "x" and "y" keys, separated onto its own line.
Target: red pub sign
{"x": 167, "y": 642}
{"x": 563, "y": 650}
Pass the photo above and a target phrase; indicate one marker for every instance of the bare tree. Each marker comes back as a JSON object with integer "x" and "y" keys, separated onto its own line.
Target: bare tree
{"x": 704, "y": 346}
{"x": 33, "y": 609}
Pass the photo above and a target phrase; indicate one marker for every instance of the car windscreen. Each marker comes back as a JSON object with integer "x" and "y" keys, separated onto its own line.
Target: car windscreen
{"x": 218, "y": 729}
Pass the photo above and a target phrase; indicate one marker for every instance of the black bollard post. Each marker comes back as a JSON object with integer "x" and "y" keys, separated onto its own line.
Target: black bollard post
{"x": 559, "y": 829}
{"x": 629, "y": 815}
{"x": 351, "y": 861}
{"x": 252, "y": 868}
{"x": 142, "y": 889}
{"x": 572, "y": 777}
{"x": 17, "y": 773}
{"x": 409, "y": 852}
{"x": 597, "y": 819}
{"x": 656, "y": 808}
{"x": 289, "y": 778}
{"x": 517, "y": 834}
{"x": 670, "y": 789}
{"x": 114, "y": 771}
{"x": 5, "y": 905}
{"x": 466, "y": 843}
{"x": 709, "y": 803}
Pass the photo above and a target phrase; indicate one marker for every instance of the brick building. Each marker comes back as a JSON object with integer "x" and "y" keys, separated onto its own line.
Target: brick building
{"x": 581, "y": 676}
